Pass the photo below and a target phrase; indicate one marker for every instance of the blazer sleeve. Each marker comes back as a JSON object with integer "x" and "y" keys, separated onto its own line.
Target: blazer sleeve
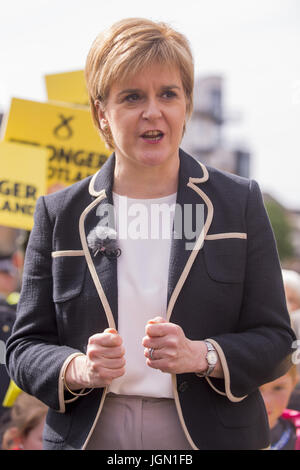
{"x": 34, "y": 356}
{"x": 260, "y": 350}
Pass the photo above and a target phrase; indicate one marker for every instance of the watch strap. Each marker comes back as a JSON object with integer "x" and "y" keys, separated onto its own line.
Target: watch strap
{"x": 210, "y": 367}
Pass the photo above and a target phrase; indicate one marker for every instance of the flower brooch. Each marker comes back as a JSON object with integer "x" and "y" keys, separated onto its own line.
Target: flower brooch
{"x": 103, "y": 240}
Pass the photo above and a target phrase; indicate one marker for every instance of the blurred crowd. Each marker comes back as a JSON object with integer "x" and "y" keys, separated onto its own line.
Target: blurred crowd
{"x": 22, "y": 417}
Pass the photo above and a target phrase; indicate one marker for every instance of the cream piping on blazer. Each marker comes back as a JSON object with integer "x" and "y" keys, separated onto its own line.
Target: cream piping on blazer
{"x": 100, "y": 195}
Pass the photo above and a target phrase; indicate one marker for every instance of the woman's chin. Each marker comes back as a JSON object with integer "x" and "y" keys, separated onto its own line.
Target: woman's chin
{"x": 157, "y": 157}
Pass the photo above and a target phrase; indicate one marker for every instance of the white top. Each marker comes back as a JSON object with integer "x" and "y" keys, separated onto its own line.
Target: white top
{"x": 144, "y": 229}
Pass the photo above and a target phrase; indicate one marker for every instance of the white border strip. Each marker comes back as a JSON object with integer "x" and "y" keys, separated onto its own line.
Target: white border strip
{"x": 219, "y": 236}
{"x": 61, "y": 388}
{"x": 90, "y": 263}
{"x": 184, "y": 274}
{"x": 197, "y": 247}
{"x": 57, "y": 254}
{"x": 111, "y": 322}
{"x": 96, "y": 419}
{"x": 223, "y": 360}
{"x": 180, "y": 415}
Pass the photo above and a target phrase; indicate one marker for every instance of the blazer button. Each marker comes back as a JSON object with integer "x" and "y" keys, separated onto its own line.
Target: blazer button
{"x": 183, "y": 387}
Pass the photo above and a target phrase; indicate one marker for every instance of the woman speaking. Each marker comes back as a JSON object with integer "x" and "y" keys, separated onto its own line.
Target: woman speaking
{"x": 140, "y": 336}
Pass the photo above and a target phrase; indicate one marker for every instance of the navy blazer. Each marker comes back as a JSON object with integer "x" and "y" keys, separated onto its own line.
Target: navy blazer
{"x": 228, "y": 289}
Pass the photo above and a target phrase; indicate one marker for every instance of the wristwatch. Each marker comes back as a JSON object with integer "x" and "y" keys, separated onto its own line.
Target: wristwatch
{"x": 212, "y": 359}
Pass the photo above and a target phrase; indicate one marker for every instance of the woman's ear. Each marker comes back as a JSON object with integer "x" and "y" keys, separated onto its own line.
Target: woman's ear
{"x": 101, "y": 115}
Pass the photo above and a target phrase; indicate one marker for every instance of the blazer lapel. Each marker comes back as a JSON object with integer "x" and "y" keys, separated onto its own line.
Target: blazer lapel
{"x": 183, "y": 250}
{"x": 188, "y": 219}
{"x": 102, "y": 269}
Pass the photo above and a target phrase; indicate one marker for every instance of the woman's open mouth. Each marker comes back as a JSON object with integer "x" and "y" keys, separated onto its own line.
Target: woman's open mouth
{"x": 152, "y": 137}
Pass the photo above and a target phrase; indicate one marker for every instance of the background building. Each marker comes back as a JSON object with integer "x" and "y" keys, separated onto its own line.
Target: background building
{"x": 205, "y": 132}
{"x": 294, "y": 262}
{"x": 206, "y": 140}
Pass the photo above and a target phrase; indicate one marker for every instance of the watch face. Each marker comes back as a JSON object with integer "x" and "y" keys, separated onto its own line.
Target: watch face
{"x": 212, "y": 358}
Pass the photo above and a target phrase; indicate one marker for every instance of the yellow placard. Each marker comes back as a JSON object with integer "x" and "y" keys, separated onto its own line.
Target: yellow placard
{"x": 74, "y": 147}
{"x": 23, "y": 170}
{"x": 68, "y": 87}
{"x": 12, "y": 394}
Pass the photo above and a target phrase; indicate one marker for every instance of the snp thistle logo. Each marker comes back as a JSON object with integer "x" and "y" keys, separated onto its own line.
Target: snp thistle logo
{"x": 63, "y": 130}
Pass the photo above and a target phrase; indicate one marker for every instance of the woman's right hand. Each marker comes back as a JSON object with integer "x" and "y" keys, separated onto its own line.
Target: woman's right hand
{"x": 103, "y": 362}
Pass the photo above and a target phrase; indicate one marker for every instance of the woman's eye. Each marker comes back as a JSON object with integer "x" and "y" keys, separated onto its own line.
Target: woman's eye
{"x": 132, "y": 97}
{"x": 169, "y": 94}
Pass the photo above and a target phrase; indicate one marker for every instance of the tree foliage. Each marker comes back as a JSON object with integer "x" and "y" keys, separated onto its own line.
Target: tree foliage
{"x": 282, "y": 229}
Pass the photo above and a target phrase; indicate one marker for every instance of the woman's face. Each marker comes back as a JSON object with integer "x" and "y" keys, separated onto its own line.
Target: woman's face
{"x": 146, "y": 116}
{"x": 276, "y": 396}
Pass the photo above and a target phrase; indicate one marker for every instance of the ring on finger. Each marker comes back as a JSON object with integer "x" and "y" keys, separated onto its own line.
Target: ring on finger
{"x": 151, "y": 351}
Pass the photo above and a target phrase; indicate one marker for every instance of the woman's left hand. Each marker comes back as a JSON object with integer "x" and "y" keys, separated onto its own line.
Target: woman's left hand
{"x": 173, "y": 351}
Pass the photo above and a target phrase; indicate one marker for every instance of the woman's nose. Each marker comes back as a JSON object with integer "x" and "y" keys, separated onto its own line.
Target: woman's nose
{"x": 152, "y": 110}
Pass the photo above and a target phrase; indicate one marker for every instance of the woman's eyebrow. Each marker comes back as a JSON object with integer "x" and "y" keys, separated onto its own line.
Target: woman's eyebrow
{"x": 128, "y": 91}
{"x": 170, "y": 87}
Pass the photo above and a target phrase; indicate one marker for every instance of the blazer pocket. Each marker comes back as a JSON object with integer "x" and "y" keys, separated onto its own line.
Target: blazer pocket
{"x": 68, "y": 277}
{"x": 225, "y": 259}
{"x": 240, "y": 414}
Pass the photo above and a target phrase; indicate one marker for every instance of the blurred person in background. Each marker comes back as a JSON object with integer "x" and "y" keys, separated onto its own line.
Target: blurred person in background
{"x": 9, "y": 296}
{"x": 284, "y": 422}
{"x": 11, "y": 265}
{"x": 8, "y": 239}
{"x": 291, "y": 282}
{"x": 150, "y": 343}
{"x": 9, "y": 278}
{"x": 12, "y": 249}
{"x": 24, "y": 431}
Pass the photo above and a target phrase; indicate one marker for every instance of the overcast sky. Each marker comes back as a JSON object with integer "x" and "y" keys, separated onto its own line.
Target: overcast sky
{"x": 253, "y": 44}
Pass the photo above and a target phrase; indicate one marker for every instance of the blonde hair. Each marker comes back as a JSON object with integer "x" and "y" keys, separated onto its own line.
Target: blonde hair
{"x": 26, "y": 413}
{"x": 126, "y": 48}
{"x": 293, "y": 372}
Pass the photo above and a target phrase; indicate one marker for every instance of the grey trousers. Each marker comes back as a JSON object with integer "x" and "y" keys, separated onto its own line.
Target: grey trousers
{"x": 138, "y": 423}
